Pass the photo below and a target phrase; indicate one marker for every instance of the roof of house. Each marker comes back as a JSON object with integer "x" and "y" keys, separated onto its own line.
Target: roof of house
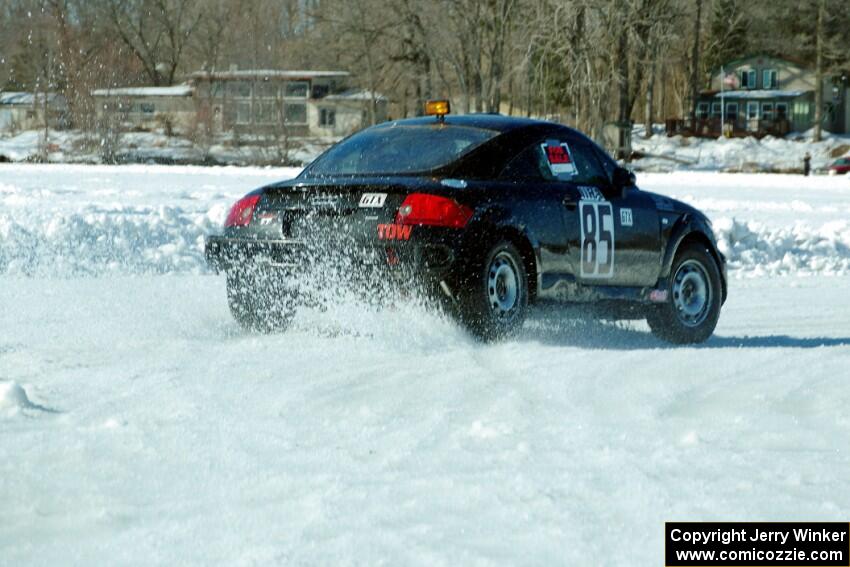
{"x": 176, "y": 90}
{"x": 27, "y": 99}
{"x": 356, "y": 94}
{"x": 758, "y": 94}
{"x": 267, "y": 74}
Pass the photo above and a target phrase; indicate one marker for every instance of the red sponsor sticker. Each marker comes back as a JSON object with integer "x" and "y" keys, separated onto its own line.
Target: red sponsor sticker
{"x": 557, "y": 154}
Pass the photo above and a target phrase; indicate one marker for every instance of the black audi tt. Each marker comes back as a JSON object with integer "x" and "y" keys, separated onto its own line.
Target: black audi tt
{"x": 485, "y": 214}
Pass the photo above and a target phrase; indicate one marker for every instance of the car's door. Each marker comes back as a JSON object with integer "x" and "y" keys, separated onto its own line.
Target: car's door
{"x": 638, "y": 222}
{"x": 537, "y": 203}
{"x": 614, "y": 235}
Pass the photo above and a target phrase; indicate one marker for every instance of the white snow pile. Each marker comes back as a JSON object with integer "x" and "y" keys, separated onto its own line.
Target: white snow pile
{"x": 68, "y": 220}
{"x": 770, "y": 154}
{"x": 13, "y": 398}
{"x": 96, "y": 240}
{"x": 754, "y": 249}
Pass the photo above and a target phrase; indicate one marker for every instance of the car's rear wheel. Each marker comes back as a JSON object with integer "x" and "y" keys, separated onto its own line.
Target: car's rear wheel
{"x": 694, "y": 296}
{"x": 494, "y": 302}
{"x": 259, "y": 300}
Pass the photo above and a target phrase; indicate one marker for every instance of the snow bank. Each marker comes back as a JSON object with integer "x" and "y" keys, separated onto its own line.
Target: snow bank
{"x": 69, "y": 220}
{"x": 769, "y": 154}
{"x": 95, "y": 240}
{"x": 754, "y": 249}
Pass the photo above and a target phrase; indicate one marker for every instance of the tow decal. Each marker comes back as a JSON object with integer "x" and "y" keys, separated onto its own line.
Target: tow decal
{"x": 394, "y": 232}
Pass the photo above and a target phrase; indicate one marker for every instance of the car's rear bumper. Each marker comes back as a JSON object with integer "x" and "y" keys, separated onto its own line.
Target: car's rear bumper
{"x": 434, "y": 260}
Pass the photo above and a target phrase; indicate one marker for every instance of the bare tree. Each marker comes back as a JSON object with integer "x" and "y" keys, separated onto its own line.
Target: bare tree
{"x": 157, "y": 32}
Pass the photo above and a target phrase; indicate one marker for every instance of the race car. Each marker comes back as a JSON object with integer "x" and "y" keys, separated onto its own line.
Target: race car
{"x": 484, "y": 214}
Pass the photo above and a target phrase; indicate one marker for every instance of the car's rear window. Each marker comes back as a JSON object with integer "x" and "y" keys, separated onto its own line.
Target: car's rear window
{"x": 400, "y": 149}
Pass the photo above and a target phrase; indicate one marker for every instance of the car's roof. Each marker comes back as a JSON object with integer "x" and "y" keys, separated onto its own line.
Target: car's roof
{"x": 497, "y": 122}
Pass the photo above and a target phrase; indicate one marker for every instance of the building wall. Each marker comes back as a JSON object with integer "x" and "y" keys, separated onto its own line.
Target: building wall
{"x": 18, "y": 117}
{"x": 149, "y": 112}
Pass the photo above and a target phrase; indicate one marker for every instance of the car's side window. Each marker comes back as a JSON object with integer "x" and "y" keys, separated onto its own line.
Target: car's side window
{"x": 530, "y": 164}
{"x": 608, "y": 164}
{"x": 589, "y": 170}
{"x": 556, "y": 159}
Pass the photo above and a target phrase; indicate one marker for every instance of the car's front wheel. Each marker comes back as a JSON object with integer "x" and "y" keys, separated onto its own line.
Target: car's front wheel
{"x": 694, "y": 296}
{"x": 259, "y": 300}
{"x": 494, "y": 302}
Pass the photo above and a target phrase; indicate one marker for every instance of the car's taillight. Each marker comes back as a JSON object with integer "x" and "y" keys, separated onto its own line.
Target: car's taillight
{"x": 432, "y": 210}
{"x": 242, "y": 212}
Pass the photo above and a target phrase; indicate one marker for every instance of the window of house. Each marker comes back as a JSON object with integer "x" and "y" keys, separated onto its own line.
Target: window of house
{"x": 327, "y": 117}
{"x": 782, "y": 111}
{"x": 715, "y": 109}
{"x": 748, "y": 79}
{"x": 296, "y": 89}
{"x": 239, "y": 89}
{"x": 320, "y": 91}
{"x": 752, "y": 110}
{"x": 295, "y": 114}
{"x": 243, "y": 113}
{"x": 702, "y": 110}
{"x": 266, "y": 89}
{"x": 216, "y": 89}
{"x": 768, "y": 79}
{"x": 801, "y": 109}
{"x": 147, "y": 108}
{"x": 767, "y": 111}
{"x": 731, "y": 111}
{"x": 265, "y": 112}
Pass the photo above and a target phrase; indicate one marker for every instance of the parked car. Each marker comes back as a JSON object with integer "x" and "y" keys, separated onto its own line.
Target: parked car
{"x": 840, "y": 166}
{"x": 488, "y": 214}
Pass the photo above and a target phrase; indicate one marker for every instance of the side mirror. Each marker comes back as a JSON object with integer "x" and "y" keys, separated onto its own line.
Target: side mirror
{"x": 623, "y": 178}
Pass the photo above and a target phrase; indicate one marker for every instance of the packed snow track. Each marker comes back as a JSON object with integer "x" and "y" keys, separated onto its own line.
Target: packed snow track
{"x": 139, "y": 425}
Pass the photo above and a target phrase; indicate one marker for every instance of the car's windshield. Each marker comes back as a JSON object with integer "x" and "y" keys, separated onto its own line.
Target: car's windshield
{"x": 399, "y": 149}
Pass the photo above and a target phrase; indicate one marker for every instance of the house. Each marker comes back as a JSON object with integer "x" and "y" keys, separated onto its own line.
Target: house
{"x": 147, "y": 108}
{"x": 764, "y": 95}
{"x": 25, "y": 111}
{"x": 297, "y": 103}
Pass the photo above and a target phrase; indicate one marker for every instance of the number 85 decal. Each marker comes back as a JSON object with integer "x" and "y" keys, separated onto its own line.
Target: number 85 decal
{"x": 597, "y": 239}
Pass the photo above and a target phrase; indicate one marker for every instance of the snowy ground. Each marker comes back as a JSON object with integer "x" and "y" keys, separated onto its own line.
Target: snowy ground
{"x": 139, "y": 425}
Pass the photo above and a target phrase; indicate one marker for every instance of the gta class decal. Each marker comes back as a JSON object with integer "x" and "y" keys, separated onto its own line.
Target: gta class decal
{"x": 559, "y": 158}
{"x": 394, "y": 232}
{"x": 626, "y": 218}
{"x": 372, "y": 200}
{"x": 597, "y": 239}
